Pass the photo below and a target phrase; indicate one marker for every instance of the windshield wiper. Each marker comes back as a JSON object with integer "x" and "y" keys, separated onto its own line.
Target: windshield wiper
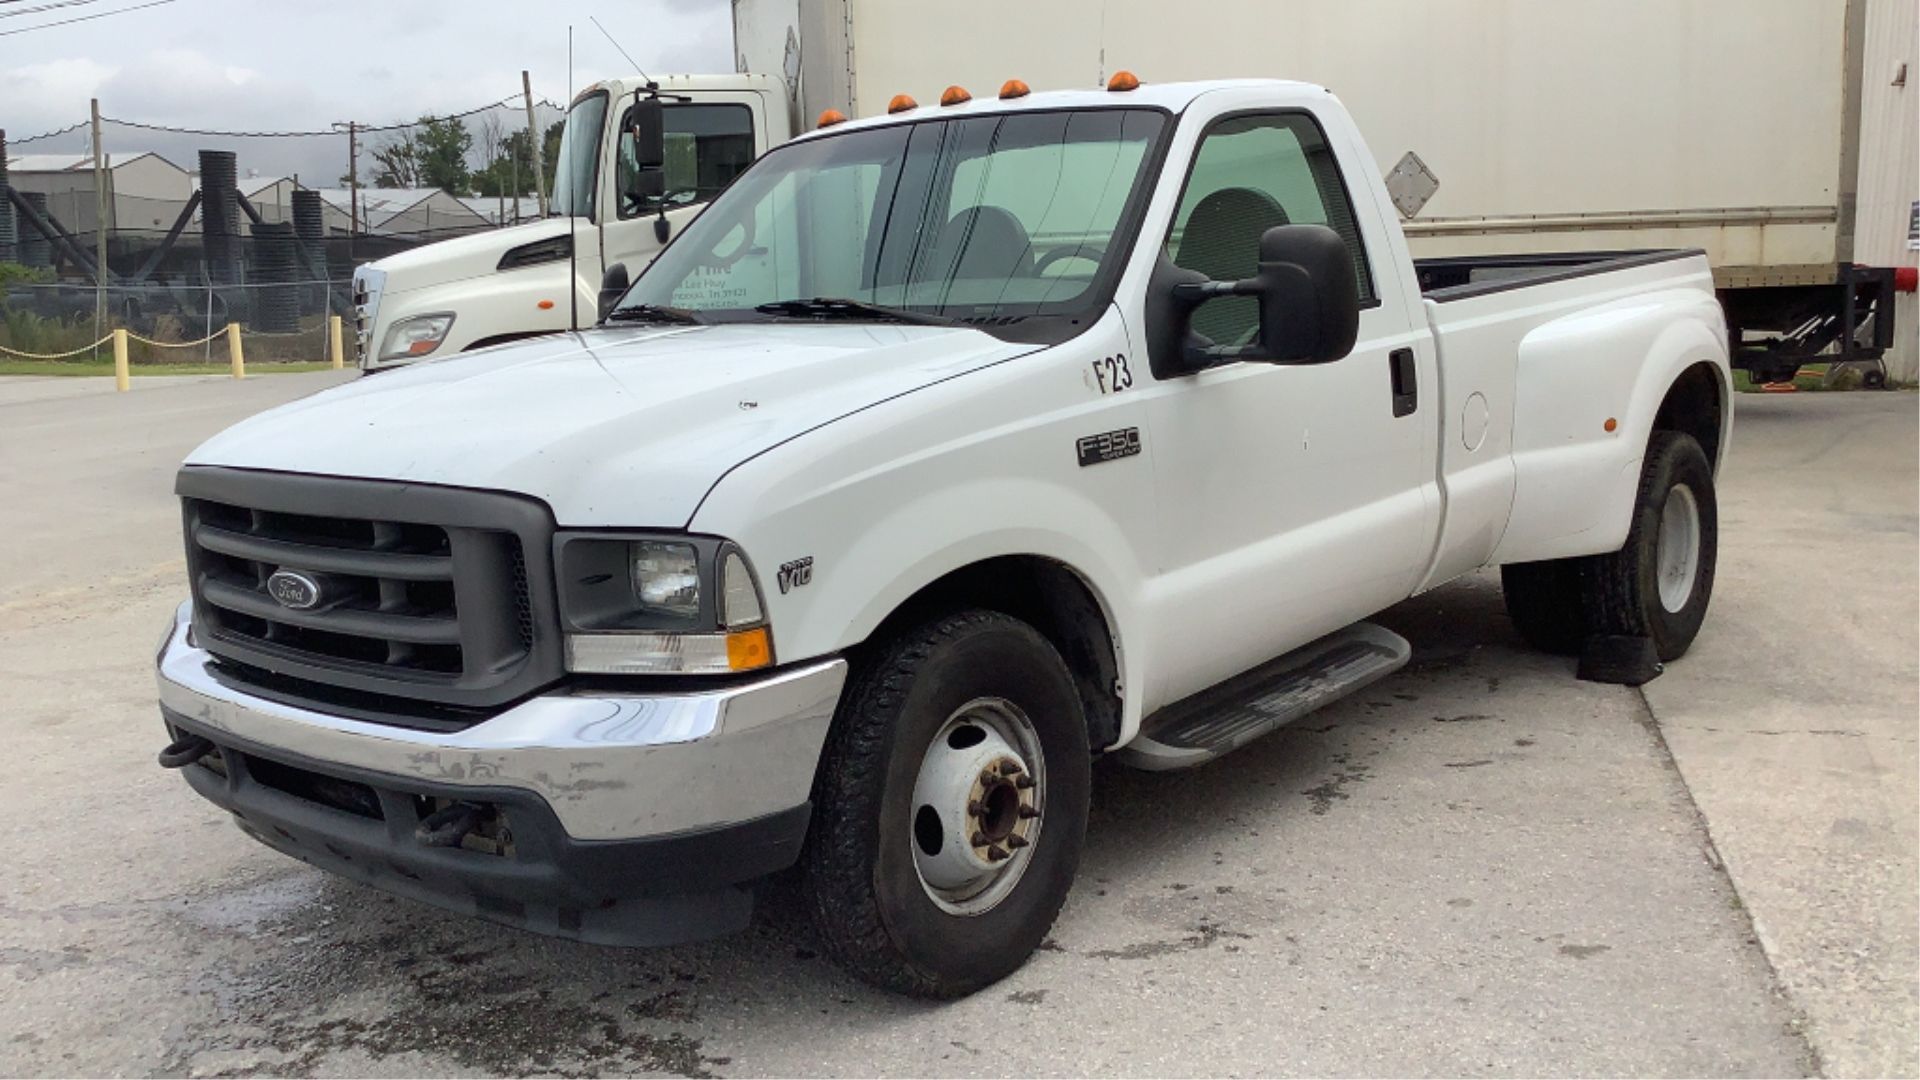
{"x": 653, "y": 313}
{"x": 834, "y": 307}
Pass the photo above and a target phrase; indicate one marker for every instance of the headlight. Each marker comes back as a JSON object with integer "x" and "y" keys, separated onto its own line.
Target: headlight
{"x": 415, "y": 337}
{"x": 649, "y": 606}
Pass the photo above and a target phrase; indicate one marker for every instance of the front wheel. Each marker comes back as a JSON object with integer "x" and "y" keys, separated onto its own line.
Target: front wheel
{"x": 950, "y": 808}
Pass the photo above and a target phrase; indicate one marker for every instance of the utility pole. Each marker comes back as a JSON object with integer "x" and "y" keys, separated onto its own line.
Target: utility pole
{"x": 99, "y": 230}
{"x": 353, "y": 181}
{"x": 533, "y": 139}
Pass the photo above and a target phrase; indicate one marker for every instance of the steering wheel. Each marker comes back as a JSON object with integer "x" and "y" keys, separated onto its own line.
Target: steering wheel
{"x": 1093, "y": 252}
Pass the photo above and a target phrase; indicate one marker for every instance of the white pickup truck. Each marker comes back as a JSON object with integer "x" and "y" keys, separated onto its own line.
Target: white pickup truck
{"x": 946, "y": 450}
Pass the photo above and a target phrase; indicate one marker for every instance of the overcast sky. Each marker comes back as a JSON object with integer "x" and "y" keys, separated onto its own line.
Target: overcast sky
{"x": 281, "y": 65}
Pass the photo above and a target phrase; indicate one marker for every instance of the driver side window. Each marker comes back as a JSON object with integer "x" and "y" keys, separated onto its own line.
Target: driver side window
{"x": 707, "y": 146}
{"x": 1250, "y": 174}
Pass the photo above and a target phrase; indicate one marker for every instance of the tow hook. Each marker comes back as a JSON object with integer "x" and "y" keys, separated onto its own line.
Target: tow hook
{"x": 184, "y": 751}
{"x": 449, "y": 825}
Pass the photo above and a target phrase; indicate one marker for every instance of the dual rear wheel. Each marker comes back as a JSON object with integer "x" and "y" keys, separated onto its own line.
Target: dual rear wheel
{"x": 1656, "y": 586}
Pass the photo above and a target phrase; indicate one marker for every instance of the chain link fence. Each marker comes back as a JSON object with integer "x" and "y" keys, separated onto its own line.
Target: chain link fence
{"x": 258, "y": 229}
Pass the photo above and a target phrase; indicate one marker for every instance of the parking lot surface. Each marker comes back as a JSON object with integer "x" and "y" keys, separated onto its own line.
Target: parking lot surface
{"x": 1479, "y": 866}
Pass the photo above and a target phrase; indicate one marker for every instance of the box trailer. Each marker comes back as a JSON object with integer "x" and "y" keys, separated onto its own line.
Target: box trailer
{"x": 1732, "y": 126}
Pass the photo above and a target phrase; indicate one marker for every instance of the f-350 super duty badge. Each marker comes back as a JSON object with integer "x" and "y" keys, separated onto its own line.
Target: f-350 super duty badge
{"x": 1108, "y": 446}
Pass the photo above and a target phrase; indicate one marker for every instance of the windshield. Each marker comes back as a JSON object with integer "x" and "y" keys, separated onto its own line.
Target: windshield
{"x": 978, "y": 219}
{"x": 575, "y": 172}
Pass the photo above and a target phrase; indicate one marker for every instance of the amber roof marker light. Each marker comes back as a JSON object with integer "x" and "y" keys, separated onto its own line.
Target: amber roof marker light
{"x": 955, "y": 95}
{"x": 831, "y": 117}
{"x": 1013, "y": 88}
{"x": 1123, "y": 81}
{"x": 901, "y": 103}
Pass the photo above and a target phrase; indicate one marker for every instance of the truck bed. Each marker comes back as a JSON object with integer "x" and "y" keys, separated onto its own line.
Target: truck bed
{"x": 1459, "y": 277}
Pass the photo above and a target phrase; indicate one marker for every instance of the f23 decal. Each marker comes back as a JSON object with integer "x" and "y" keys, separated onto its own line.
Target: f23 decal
{"x": 1112, "y": 373}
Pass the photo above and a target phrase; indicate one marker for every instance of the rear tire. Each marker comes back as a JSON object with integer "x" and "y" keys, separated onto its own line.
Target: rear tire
{"x": 1656, "y": 586}
{"x": 937, "y": 725}
{"x": 1546, "y": 605}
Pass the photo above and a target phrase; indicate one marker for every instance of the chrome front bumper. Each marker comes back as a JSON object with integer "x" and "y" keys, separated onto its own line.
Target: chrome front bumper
{"x": 611, "y": 766}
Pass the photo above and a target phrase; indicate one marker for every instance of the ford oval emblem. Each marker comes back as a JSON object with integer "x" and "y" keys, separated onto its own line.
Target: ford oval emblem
{"x": 294, "y": 589}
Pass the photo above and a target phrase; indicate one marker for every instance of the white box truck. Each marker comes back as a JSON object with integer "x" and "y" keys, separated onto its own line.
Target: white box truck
{"x": 1734, "y": 126}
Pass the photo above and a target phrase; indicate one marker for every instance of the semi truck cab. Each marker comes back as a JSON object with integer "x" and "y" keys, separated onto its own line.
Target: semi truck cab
{"x": 471, "y": 292}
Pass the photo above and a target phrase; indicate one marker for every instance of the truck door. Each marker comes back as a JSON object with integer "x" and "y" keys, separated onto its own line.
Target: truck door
{"x": 710, "y": 141}
{"x": 1295, "y": 498}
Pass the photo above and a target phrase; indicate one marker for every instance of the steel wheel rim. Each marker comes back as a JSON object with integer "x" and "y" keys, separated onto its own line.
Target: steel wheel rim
{"x": 1677, "y": 556}
{"x": 982, "y": 777}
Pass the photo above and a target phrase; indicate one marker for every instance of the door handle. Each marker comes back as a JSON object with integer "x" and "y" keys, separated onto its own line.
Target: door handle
{"x": 1405, "y": 382}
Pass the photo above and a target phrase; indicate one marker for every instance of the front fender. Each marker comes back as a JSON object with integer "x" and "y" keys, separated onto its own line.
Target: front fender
{"x": 890, "y": 499}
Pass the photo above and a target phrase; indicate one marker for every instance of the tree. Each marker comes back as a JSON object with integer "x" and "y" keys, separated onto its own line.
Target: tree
{"x": 396, "y": 164}
{"x": 441, "y": 147}
{"x": 433, "y": 153}
{"x": 550, "y": 150}
{"x": 511, "y": 173}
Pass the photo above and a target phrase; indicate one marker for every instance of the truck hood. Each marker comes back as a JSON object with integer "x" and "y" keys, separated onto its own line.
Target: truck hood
{"x": 461, "y": 257}
{"x": 618, "y": 427}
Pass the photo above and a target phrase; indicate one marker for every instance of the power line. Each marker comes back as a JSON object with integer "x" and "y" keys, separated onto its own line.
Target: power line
{"x": 8, "y": 13}
{"x": 331, "y": 132}
{"x": 83, "y": 18}
{"x": 46, "y": 134}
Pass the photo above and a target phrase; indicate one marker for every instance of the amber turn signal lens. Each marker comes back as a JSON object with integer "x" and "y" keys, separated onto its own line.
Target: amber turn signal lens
{"x": 901, "y": 103}
{"x": 749, "y": 649}
{"x": 545, "y": 305}
{"x": 831, "y": 117}
{"x": 955, "y": 95}
{"x": 1611, "y": 423}
{"x": 1123, "y": 81}
{"x": 1014, "y": 88}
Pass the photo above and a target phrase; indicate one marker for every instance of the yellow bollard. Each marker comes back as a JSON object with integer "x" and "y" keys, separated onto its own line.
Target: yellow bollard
{"x": 233, "y": 351}
{"x": 336, "y": 349}
{"x": 121, "y": 376}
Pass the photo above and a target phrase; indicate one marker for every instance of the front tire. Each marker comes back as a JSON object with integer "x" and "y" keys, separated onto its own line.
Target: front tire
{"x": 951, "y": 806}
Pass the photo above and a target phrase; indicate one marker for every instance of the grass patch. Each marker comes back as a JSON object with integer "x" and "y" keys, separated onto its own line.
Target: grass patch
{"x": 10, "y": 366}
{"x": 1810, "y": 377}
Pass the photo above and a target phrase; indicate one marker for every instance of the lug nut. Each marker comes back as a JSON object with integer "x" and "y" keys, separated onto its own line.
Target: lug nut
{"x": 1016, "y": 841}
{"x": 1023, "y": 781}
{"x": 976, "y": 808}
{"x": 980, "y": 839}
{"x": 1027, "y": 812}
{"x": 995, "y": 854}
{"x": 1009, "y": 768}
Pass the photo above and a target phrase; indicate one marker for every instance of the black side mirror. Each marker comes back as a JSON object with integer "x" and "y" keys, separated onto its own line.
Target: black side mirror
{"x": 1309, "y": 296}
{"x": 649, "y": 116}
{"x": 1309, "y": 304}
{"x": 613, "y": 286}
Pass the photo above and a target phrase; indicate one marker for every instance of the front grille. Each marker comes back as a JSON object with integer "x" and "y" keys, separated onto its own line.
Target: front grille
{"x": 368, "y": 588}
{"x": 367, "y": 285}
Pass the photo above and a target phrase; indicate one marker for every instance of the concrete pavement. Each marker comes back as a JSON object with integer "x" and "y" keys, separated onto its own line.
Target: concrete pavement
{"x": 1794, "y": 720}
{"x": 1480, "y": 866}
